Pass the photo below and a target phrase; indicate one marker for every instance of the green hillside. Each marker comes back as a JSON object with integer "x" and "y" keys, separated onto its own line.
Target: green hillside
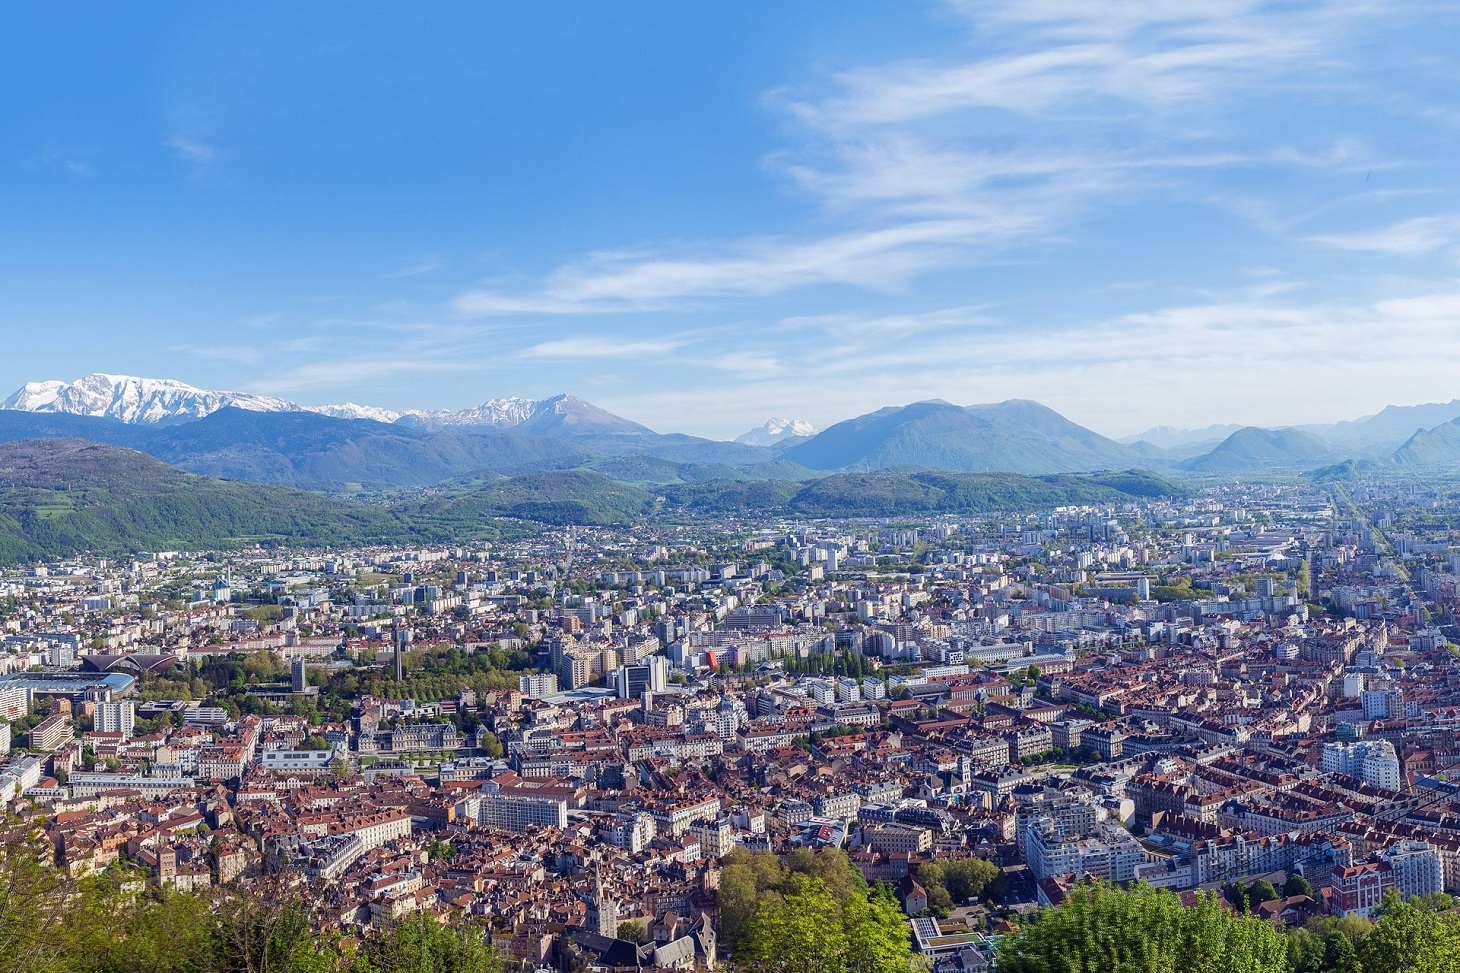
{"x": 558, "y": 497}
{"x": 583, "y": 497}
{"x": 890, "y": 494}
{"x": 63, "y": 496}
{"x": 709, "y": 498}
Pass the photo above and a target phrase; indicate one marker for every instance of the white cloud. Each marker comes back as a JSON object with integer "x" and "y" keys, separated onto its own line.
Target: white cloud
{"x": 1254, "y": 356}
{"x": 913, "y": 198}
{"x": 1408, "y": 238}
{"x": 1058, "y": 54}
{"x": 884, "y": 258}
{"x": 417, "y": 268}
{"x": 191, "y": 150}
{"x": 343, "y": 372}
{"x": 599, "y": 347}
{"x": 63, "y": 160}
{"x": 1051, "y": 116}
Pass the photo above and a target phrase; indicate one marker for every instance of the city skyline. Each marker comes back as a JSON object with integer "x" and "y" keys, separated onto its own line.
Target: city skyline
{"x": 700, "y": 219}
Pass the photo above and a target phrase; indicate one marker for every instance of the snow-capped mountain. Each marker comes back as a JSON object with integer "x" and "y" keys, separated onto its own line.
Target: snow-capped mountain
{"x": 502, "y": 413}
{"x": 774, "y": 430}
{"x": 559, "y": 416}
{"x": 132, "y": 399}
{"x": 349, "y": 410}
{"x": 155, "y": 400}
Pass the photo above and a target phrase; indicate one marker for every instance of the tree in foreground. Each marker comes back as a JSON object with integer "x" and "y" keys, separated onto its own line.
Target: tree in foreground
{"x": 1102, "y": 929}
{"x": 1297, "y": 885}
{"x": 805, "y": 929}
{"x": 1408, "y": 938}
{"x": 419, "y": 943}
{"x": 53, "y": 923}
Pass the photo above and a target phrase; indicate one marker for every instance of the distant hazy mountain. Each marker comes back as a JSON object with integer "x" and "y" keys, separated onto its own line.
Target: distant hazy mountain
{"x": 239, "y": 435}
{"x": 1015, "y": 436}
{"x": 569, "y": 417}
{"x": 373, "y": 455}
{"x": 1170, "y": 437}
{"x": 1388, "y": 429}
{"x": 638, "y": 468}
{"x": 319, "y": 452}
{"x": 306, "y": 449}
{"x": 775, "y": 431}
{"x": 1253, "y": 450}
{"x": 1382, "y": 432}
{"x": 1439, "y": 446}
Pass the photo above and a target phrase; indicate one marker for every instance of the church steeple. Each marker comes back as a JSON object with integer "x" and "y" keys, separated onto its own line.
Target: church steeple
{"x": 602, "y": 915}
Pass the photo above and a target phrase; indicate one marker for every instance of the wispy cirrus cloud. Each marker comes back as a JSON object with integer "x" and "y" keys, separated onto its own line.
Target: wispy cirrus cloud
{"x": 597, "y": 346}
{"x": 884, "y": 258}
{"x": 192, "y": 150}
{"x": 898, "y": 153}
{"x": 352, "y": 370}
{"x": 1051, "y": 56}
{"x": 1407, "y": 238}
{"x": 416, "y": 268}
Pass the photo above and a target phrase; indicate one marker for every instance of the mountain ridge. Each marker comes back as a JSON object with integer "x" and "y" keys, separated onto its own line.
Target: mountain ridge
{"x": 1017, "y": 436}
{"x": 151, "y": 401}
{"x": 350, "y": 447}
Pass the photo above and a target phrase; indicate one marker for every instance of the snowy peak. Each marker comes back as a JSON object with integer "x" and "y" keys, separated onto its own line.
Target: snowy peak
{"x": 158, "y": 400}
{"x": 562, "y": 416}
{"x": 775, "y": 430}
{"x": 501, "y": 413}
{"x": 130, "y": 399}
{"x": 349, "y": 410}
{"x": 35, "y": 397}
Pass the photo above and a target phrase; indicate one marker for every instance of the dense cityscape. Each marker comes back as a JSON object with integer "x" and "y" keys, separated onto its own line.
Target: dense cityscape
{"x": 960, "y": 486}
{"x": 582, "y": 738}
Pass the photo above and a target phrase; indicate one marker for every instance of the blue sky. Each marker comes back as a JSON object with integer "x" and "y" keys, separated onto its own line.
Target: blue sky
{"x": 701, "y": 215}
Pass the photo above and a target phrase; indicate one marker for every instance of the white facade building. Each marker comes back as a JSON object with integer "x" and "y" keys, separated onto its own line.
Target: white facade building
{"x": 119, "y": 717}
{"x": 1416, "y": 868}
{"x": 1372, "y": 761}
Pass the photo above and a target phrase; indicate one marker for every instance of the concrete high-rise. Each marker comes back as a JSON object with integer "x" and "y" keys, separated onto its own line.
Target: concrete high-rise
{"x": 119, "y": 717}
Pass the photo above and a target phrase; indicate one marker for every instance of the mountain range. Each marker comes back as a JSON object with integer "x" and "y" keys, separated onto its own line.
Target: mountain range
{"x": 350, "y": 448}
{"x": 127, "y": 398}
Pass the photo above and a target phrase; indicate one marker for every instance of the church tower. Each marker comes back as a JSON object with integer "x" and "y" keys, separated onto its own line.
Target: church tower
{"x": 602, "y": 915}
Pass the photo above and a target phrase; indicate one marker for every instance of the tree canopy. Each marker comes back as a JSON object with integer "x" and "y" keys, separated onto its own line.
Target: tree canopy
{"x": 53, "y": 923}
{"x": 1143, "y": 930}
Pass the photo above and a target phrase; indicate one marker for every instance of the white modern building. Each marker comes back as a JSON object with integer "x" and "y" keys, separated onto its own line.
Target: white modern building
{"x": 1415, "y": 867}
{"x": 1372, "y": 761}
{"x": 119, "y": 717}
{"x": 1109, "y": 853}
